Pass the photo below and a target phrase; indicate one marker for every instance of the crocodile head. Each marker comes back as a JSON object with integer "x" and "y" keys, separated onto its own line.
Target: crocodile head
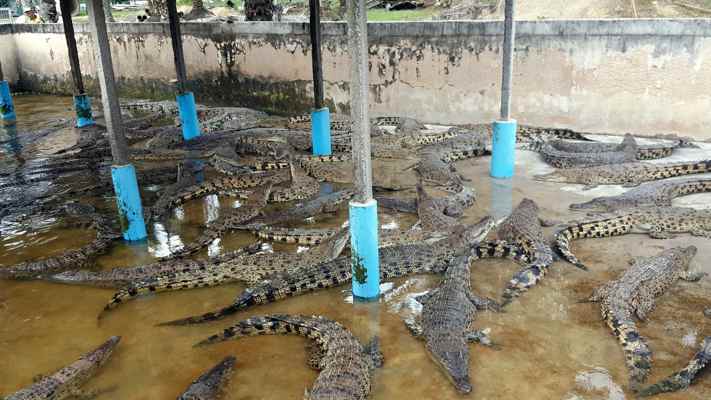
{"x": 455, "y": 363}
{"x": 601, "y": 204}
{"x": 683, "y": 255}
{"x": 471, "y": 234}
{"x": 561, "y": 176}
{"x": 102, "y": 353}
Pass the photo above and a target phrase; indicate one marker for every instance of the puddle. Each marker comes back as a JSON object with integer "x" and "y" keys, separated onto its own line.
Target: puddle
{"x": 552, "y": 347}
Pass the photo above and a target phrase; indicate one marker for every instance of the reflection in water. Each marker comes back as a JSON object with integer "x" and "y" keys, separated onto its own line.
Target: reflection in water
{"x": 165, "y": 244}
{"x": 211, "y": 208}
{"x": 214, "y": 249}
{"x": 597, "y": 383}
{"x": 501, "y": 198}
{"x": 179, "y": 213}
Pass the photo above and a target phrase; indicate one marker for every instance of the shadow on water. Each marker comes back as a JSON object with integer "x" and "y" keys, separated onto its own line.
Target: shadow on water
{"x": 551, "y": 346}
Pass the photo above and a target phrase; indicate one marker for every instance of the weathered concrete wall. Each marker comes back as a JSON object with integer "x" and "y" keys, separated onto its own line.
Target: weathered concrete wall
{"x": 646, "y": 76}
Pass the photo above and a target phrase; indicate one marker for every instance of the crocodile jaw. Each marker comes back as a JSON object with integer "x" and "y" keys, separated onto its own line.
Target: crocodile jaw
{"x": 552, "y": 177}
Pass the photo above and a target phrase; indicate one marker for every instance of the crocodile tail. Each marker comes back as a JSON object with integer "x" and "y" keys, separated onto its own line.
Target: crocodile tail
{"x": 603, "y": 228}
{"x": 682, "y": 379}
{"x": 501, "y": 249}
{"x": 638, "y": 356}
{"x": 277, "y": 324}
{"x": 172, "y": 283}
{"x": 262, "y": 294}
{"x": 529, "y": 276}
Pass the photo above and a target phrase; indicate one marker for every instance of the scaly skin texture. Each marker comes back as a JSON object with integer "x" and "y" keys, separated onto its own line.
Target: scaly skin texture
{"x": 323, "y": 204}
{"x": 302, "y": 187}
{"x": 211, "y": 384}
{"x": 658, "y": 194}
{"x": 75, "y": 258}
{"x": 295, "y": 235}
{"x": 634, "y": 293}
{"x": 523, "y": 228}
{"x": 644, "y": 152}
{"x": 623, "y": 153}
{"x": 229, "y": 220}
{"x": 628, "y": 174}
{"x": 431, "y": 213}
{"x": 658, "y": 222}
{"x": 249, "y": 268}
{"x": 395, "y": 262}
{"x": 222, "y": 185}
{"x": 66, "y": 382}
{"x": 685, "y": 377}
{"x": 445, "y": 323}
{"x": 345, "y": 364}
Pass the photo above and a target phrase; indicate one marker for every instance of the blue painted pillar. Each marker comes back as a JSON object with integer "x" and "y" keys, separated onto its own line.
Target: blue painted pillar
{"x": 363, "y": 223}
{"x": 7, "y": 107}
{"x": 504, "y": 149}
{"x": 128, "y": 201}
{"x": 321, "y": 132}
{"x": 188, "y": 115}
{"x": 82, "y": 105}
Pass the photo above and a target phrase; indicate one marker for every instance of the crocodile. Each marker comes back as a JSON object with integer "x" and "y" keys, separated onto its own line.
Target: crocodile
{"x": 229, "y": 219}
{"x": 263, "y": 147}
{"x": 211, "y": 384}
{"x": 627, "y": 174}
{"x": 433, "y": 170}
{"x": 445, "y": 323}
{"x": 221, "y": 185}
{"x": 523, "y": 227}
{"x": 302, "y": 187}
{"x": 329, "y": 203}
{"x": 657, "y": 222}
{"x": 686, "y": 376}
{"x": 634, "y": 293}
{"x": 658, "y": 194}
{"x": 644, "y": 152}
{"x": 249, "y": 268}
{"x": 74, "y": 258}
{"x": 431, "y": 212}
{"x": 121, "y": 277}
{"x": 624, "y": 153}
{"x": 296, "y": 235}
{"x": 395, "y": 262}
{"x": 345, "y": 364}
{"x": 66, "y": 383}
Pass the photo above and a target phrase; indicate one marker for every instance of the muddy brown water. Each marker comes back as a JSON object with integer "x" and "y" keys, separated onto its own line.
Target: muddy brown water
{"x": 551, "y": 346}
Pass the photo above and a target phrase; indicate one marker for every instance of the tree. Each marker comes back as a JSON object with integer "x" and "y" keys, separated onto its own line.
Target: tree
{"x": 198, "y": 11}
{"x": 107, "y": 11}
{"x": 259, "y": 10}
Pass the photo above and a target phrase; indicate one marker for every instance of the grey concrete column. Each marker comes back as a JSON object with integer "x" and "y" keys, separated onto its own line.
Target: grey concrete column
{"x": 509, "y": 38}
{"x": 105, "y": 73}
{"x": 358, "y": 48}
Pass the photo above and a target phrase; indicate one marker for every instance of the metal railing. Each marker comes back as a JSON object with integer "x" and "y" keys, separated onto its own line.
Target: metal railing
{"x": 6, "y": 16}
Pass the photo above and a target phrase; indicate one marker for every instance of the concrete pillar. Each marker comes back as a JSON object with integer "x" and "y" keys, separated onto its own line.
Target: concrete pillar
{"x": 504, "y": 135}
{"x": 7, "y": 107}
{"x": 82, "y": 104}
{"x": 123, "y": 174}
{"x": 186, "y": 100}
{"x": 320, "y": 118}
{"x": 363, "y": 210}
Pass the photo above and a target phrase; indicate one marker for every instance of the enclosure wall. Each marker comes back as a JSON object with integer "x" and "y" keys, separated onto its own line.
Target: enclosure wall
{"x": 646, "y": 76}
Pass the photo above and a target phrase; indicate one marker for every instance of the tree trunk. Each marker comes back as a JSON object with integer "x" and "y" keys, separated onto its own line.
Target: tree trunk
{"x": 259, "y": 10}
{"x": 107, "y": 11}
{"x": 198, "y": 11}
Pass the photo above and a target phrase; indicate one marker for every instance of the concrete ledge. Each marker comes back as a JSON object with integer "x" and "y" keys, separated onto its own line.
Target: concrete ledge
{"x": 607, "y": 27}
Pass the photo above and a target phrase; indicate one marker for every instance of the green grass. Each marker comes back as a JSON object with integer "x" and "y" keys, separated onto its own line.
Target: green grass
{"x": 419, "y": 14}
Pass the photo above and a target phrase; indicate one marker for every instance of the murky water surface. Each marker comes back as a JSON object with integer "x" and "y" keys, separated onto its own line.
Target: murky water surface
{"x": 552, "y": 347}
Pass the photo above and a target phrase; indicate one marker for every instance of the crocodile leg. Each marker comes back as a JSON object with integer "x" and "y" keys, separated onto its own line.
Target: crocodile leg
{"x": 657, "y": 232}
{"x": 372, "y": 350}
{"x": 705, "y": 233}
{"x": 314, "y": 355}
{"x": 482, "y": 337}
{"x": 692, "y": 276}
{"x": 483, "y": 303}
{"x": 414, "y": 325}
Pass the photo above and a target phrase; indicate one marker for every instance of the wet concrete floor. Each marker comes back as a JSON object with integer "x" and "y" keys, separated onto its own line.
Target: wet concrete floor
{"x": 552, "y": 347}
